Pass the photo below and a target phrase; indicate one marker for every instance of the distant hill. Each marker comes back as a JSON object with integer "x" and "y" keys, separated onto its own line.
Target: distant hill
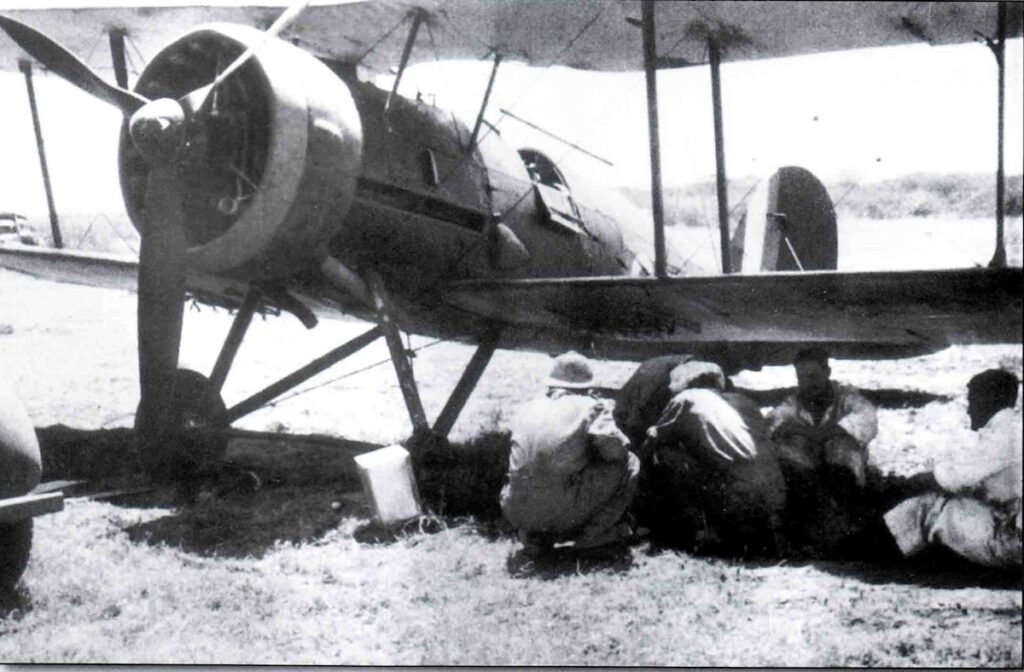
{"x": 964, "y": 196}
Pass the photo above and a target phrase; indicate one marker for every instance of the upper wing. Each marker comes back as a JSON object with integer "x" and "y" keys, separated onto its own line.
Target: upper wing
{"x": 759, "y": 319}
{"x": 587, "y": 34}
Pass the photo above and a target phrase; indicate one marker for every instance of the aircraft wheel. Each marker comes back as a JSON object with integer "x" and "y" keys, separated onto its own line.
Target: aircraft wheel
{"x": 15, "y": 546}
{"x": 197, "y": 408}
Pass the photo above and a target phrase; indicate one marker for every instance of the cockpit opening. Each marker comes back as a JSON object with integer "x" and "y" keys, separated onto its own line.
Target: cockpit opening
{"x": 552, "y": 190}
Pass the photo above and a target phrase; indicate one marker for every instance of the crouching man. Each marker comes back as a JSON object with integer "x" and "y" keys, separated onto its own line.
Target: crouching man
{"x": 571, "y": 476}
{"x": 714, "y": 468}
{"x": 976, "y": 511}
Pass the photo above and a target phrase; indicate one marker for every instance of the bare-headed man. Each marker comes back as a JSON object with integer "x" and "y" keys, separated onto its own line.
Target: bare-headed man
{"x": 822, "y": 434}
{"x": 976, "y": 511}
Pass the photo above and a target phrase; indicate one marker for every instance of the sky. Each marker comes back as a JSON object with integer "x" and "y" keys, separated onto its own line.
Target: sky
{"x": 864, "y": 115}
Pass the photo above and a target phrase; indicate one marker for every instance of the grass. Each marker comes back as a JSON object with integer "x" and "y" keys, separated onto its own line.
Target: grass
{"x": 295, "y": 573}
{"x": 448, "y": 598}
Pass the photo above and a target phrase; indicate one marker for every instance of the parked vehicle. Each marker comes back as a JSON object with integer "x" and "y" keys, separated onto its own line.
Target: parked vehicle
{"x": 13, "y": 229}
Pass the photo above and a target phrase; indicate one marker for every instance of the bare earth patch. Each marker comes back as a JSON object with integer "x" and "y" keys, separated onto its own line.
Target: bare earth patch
{"x": 294, "y": 573}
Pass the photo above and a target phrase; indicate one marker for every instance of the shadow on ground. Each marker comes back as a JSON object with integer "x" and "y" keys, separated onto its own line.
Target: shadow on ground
{"x": 14, "y": 601}
{"x": 274, "y": 489}
{"x": 938, "y": 569}
{"x": 882, "y": 398}
{"x": 269, "y": 489}
{"x": 250, "y": 524}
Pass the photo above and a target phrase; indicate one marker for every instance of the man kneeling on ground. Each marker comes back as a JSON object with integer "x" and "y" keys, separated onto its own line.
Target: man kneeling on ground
{"x": 718, "y": 481}
{"x": 977, "y": 510}
{"x": 570, "y": 476}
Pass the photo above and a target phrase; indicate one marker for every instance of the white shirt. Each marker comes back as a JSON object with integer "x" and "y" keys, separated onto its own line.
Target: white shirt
{"x": 993, "y": 466}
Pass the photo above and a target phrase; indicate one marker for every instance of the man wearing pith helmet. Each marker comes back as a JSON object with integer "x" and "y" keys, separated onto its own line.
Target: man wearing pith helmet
{"x": 571, "y": 476}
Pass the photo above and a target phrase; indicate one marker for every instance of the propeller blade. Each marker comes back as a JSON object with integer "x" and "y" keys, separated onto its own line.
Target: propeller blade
{"x": 161, "y": 296}
{"x": 61, "y": 61}
{"x": 197, "y": 102}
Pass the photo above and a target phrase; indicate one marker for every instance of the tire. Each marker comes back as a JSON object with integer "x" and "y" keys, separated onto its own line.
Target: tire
{"x": 197, "y": 407}
{"x": 15, "y": 547}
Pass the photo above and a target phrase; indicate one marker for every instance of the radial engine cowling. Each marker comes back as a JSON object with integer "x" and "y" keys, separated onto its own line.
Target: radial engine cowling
{"x": 271, "y": 171}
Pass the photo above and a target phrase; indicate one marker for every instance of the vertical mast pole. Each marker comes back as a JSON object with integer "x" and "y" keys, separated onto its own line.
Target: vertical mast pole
{"x": 650, "y": 74}
{"x": 715, "y": 56}
{"x": 26, "y": 69}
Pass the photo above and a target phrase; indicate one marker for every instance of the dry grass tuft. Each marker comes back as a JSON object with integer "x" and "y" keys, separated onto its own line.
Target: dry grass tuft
{"x": 465, "y": 479}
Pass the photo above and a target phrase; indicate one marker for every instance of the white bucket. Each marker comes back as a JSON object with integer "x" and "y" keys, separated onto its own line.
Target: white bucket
{"x": 389, "y": 484}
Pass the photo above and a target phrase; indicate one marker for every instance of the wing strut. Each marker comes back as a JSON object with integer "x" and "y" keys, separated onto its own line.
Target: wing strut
{"x": 483, "y": 104}
{"x": 417, "y": 18}
{"x": 715, "y": 56}
{"x": 651, "y": 75}
{"x": 117, "y": 57}
{"x": 998, "y": 47}
{"x": 26, "y": 68}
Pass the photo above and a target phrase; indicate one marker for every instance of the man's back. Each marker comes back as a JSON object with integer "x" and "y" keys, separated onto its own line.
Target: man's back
{"x": 642, "y": 399}
{"x": 549, "y": 436}
{"x": 993, "y": 467}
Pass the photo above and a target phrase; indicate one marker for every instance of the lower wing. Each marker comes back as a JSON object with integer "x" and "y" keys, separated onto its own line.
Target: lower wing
{"x": 757, "y": 319}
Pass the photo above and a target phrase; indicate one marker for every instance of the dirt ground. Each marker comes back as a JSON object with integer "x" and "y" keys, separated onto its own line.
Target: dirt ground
{"x": 70, "y": 353}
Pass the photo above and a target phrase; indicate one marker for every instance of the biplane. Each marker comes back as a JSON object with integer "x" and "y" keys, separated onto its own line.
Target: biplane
{"x": 263, "y": 173}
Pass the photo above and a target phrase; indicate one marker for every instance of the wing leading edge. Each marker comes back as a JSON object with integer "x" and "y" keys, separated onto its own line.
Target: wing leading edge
{"x": 759, "y": 319}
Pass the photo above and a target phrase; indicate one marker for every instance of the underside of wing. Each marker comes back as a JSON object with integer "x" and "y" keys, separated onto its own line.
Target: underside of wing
{"x": 109, "y": 271}
{"x": 72, "y": 266}
{"x": 586, "y": 34}
{"x": 756, "y": 320}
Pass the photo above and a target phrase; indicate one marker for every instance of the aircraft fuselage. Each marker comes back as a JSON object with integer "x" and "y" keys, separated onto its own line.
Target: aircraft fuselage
{"x": 302, "y": 167}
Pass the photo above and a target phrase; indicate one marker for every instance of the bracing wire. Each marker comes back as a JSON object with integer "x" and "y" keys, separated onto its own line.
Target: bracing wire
{"x": 129, "y": 40}
{"x": 92, "y": 50}
{"x": 382, "y": 38}
{"x": 311, "y": 388}
{"x": 544, "y": 71}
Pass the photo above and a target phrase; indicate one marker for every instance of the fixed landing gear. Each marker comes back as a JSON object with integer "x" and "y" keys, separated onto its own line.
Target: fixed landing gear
{"x": 193, "y": 441}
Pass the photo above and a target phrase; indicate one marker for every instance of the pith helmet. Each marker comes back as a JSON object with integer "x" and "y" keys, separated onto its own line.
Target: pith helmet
{"x": 571, "y": 370}
{"x": 684, "y": 375}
